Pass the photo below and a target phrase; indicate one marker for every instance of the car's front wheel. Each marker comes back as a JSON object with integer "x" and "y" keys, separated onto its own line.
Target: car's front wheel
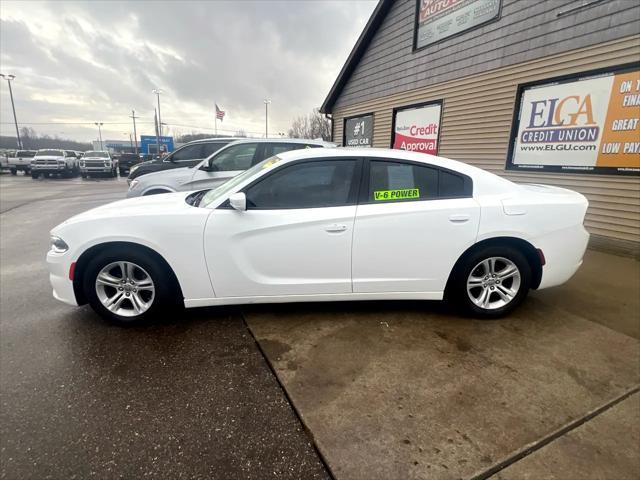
{"x": 492, "y": 281}
{"x": 128, "y": 288}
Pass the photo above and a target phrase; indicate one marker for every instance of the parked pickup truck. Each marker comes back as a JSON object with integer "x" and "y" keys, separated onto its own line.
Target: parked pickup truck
{"x": 54, "y": 162}
{"x": 98, "y": 162}
{"x": 21, "y": 161}
{"x": 126, "y": 161}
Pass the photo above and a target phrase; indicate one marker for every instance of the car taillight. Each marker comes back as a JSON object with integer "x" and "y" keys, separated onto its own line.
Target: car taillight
{"x": 543, "y": 260}
{"x": 72, "y": 271}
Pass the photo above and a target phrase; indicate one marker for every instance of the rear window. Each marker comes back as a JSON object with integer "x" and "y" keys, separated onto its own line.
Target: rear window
{"x": 56, "y": 153}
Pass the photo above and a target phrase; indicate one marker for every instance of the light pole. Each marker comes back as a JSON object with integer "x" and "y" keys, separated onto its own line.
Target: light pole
{"x": 158, "y": 91}
{"x": 8, "y": 78}
{"x": 266, "y": 117}
{"x": 135, "y": 134}
{"x": 130, "y": 139}
{"x": 99, "y": 125}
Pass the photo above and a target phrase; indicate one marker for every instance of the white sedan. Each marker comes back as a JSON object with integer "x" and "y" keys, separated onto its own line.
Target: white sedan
{"x": 324, "y": 225}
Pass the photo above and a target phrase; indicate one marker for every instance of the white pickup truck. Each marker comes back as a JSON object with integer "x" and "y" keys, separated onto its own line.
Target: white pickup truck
{"x": 21, "y": 161}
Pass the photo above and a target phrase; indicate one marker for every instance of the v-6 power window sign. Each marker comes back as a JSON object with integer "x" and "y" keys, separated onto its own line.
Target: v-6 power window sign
{"x": 417, "y": 128}
{"x": 440, "y": 19}
{"x": 589, "y": 125}
{"x": 358, "y": 131}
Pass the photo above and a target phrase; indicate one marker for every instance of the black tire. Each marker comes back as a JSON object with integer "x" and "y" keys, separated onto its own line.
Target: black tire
{"x": 14, "y": 171}
{"x": 166, "y": 288}
{"x": 83, "y": 175}
{"x": 35, "y": 175}
{"x": 45, "y": 175}
{"x": 457, "y": 290}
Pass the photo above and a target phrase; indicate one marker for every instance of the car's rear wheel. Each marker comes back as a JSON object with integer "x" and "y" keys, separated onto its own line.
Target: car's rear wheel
{"x": 35, "y": 175}
{"x": 127, "y": 288}
{"x": 492, "y": 281}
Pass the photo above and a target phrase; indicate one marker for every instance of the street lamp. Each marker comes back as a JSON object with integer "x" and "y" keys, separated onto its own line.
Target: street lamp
{"x": 99, "y": 124}
{"x": 158, "y": 91}
{"x": 8, "y": 78}
{"x": 266, "y": 117}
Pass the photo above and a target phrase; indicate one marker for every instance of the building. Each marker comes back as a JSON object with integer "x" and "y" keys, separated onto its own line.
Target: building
{"x": 544, "y": 91}
{"x": 115, "y": 146}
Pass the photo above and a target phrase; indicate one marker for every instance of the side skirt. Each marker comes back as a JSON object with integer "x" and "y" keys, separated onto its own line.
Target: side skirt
{"x": 339, "y": 297}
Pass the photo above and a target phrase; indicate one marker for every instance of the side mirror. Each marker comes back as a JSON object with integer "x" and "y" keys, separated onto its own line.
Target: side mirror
{"x": 238, "y": 201}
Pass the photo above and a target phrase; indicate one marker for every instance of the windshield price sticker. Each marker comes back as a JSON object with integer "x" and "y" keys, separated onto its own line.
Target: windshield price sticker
{"x": 396, "y": 194}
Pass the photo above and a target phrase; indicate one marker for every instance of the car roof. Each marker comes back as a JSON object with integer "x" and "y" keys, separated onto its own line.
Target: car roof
{"x": 304, "y": 141}
{"x": 212, "y": 139}
{"x": 392, "y": 154}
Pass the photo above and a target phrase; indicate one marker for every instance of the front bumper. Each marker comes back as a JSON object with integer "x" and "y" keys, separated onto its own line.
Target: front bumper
{"x": 96, "y": 169}
{"x": 59, "y": 265}
{"x": 49, "y": 168}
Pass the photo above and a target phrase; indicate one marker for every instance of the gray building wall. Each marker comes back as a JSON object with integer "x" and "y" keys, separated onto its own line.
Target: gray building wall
{"x": 527, "y": 30}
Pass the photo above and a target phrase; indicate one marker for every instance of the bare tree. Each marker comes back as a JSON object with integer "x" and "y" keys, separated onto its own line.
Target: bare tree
{"x": 314, "y": 125}
{"x": 240, "y": 133}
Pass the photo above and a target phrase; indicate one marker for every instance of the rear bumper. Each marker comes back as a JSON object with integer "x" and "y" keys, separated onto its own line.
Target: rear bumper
{"x": 59, "y": 277}
{"x": 563, "y": 251}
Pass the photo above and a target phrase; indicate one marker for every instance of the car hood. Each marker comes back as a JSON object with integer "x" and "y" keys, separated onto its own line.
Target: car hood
{"x": 94, "y": 158}
{"x": 49, "y": 157}
{"x": 162, "y": 204}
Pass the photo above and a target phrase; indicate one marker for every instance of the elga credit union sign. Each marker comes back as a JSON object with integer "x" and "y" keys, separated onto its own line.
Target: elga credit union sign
{"x": 440, "y": 19}
{"x": 358, "y": 131}
{"x": 417, "y": 128}
{"x": 590, "y": 124}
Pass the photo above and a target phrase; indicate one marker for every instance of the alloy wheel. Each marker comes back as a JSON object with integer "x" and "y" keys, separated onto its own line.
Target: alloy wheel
{"x": 493, "y": 283}
{"x": 125, "y": 289}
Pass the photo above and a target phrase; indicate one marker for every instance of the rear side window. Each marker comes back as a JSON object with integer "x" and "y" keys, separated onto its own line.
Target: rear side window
{"x": 305, "y": 185}
{"x": 396, "y": 182}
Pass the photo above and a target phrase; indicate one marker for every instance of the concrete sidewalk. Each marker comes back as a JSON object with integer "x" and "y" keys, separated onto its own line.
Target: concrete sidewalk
{"x": 408, "y": 390}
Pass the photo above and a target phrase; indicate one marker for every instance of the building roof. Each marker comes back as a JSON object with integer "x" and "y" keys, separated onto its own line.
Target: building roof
{"x": 379, "y": 13}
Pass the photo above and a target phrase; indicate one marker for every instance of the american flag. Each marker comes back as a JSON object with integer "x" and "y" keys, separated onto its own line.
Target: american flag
{"x": 219, "y": 113}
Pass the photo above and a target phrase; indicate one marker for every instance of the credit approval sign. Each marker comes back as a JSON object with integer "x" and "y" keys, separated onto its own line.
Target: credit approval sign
{"x": 417, "y": 128}
{"x": 581, "y": 125}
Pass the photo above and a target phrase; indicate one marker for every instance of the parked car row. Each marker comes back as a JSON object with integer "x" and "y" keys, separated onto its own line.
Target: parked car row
{"x": 67, "y": 163}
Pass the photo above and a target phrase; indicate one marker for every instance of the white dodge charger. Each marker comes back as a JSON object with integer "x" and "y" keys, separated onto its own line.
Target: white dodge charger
{"x": 324, "y": 225}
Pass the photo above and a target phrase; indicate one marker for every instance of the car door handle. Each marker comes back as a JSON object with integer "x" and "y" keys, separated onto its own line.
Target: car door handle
{"x": 459, "y": 218}
{"x": 335, "y": 227}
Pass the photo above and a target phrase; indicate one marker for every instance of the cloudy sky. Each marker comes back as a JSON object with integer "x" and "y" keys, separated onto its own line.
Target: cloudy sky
{"x": 80, "y": 62}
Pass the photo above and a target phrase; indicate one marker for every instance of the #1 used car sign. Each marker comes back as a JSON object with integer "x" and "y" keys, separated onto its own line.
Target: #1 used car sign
{"x": 580, "y": 125}
{"x": 358, "y": 131}
{"x": 417, "y": 128}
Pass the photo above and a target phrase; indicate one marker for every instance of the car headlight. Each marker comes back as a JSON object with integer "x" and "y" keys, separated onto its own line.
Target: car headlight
{"x": 58, "y": 245}
{"x": 133, "y": 184}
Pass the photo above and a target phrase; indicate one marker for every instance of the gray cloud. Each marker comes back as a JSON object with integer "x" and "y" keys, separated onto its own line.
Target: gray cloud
{"x": 97, "y": 60}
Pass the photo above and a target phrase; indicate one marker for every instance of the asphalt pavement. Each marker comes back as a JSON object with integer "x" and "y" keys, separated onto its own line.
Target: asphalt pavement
{"x": 188, "y": 397}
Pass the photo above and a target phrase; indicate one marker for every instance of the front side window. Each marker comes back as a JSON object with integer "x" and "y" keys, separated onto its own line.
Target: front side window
{"x": 314, "y": 184}
{"x": 236, "y": 157}
{"x": 70, "y": 154}
{"x": 211, "y": 148}
{"x": 190, "y": 152}
{"x": 396, "y": 182}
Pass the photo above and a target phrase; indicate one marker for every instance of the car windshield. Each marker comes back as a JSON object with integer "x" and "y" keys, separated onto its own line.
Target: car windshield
{"x": 55, "y": 153}
{"x": 226, "y": 187}
{"x": 25, "y": 153}
{"x": 96, "y": 154}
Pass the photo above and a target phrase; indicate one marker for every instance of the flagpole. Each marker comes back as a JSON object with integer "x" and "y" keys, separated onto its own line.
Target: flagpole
{"x": 215, "y": 116}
